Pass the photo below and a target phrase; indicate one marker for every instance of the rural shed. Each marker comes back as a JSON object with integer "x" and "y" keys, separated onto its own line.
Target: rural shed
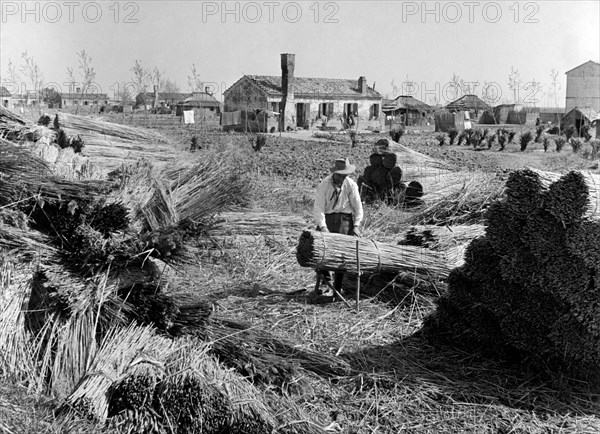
{"x": 304, "y": 101}
{"x": 199, "y": 100}
{"x": 471, "y": 103}
{"x": 446, "y": 120}
{"x": 410, "y": 110}
{"x": 5, "y": 97}
{"x": 579, "y": 117}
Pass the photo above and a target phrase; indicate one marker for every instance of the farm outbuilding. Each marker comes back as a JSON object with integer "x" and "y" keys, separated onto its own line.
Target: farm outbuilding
{"x": 487, "y": 118}
{"x": 579, "y": 117}
{"x": 471, "y": 103}
{"x": 583, "y": 86}
{"x": 446, "y": 120}
{"x": 300, "y": 102}
{"x": 5, "y": 97}
{"x": 199, "y": 100}
{"x": 156, "y": 99}
{"x": 551, "y": 115}
{"x": 407, "y": 109}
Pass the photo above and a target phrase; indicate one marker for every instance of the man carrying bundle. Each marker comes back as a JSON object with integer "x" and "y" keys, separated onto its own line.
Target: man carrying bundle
{"x": 338, "y": 207}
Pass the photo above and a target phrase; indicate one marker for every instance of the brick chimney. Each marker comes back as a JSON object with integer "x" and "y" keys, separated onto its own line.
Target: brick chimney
{"x": 362, "y": 85}
{"x": 288, "y": 62}
{"x": 155, "y": 100}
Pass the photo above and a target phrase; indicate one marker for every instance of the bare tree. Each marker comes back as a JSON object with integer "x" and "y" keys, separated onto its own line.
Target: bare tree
{"x": 170, "y": 86}
{"x": 195, "y": 83}
{"x": 157, "y": 78}
{"x": 514, "y": 83}
{"x": 32, "y": 71}
{"x": 11, "y": 78}
{"x": 141, "y": 78}
{"x": 87, "y": 74}
{"x": 394, "y": 89}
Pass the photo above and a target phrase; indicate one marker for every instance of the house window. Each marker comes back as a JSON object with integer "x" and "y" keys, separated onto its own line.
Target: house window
{"x": 326, "y": 109}
{"x": 275, "y": 107}
{"x": 374, "y": 111}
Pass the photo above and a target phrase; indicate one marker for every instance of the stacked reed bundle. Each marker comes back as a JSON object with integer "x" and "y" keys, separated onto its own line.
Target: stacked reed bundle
{"x": 592, "y": 182}
{"x": 118, "y": 351}
{"x": 335, "y": 252}
{"x": 15, "y": 349}
{"x": 528, "y": 289}
{"x": 82, "y": 123}
{"x": 458, "y": 198}
{"x": 272, "y": 224}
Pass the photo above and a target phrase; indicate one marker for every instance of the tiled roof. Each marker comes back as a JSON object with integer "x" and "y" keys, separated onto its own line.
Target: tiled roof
{"x": 468, "y": 102}
{"x": 310, "y": 86}
{"x": 406, "y": 102}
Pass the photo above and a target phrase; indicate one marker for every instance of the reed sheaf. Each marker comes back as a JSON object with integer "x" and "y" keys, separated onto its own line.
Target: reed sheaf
{"x": 529, "y": 288}
{"x": 335, "y": 252}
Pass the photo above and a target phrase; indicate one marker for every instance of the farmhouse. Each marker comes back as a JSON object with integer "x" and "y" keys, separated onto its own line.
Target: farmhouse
{"x": 5, "y": 97}
{"x": 156, "y": 99}
{"x": 408, "y": 109}
{"x": 583, "y": 86}
{"x": 288, "y": 101}
{"x": 82, "y": 98}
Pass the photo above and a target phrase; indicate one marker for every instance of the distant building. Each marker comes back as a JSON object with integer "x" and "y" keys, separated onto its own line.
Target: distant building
{"x": 156, "y": 99}
{"x": 68, "y": 99}
{"x": 5, "y": 97}
{"x": 409, "y": 110}
{"x": 580, "y": 117}
{"x": 583, "y": 87}
{"x": 199, "y": 100}
{"x": 289, "y": 101}
{"x": 471, "y": 103}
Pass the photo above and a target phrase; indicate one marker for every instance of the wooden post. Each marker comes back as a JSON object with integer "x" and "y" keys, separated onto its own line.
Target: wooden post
{"x": 357, "y": 277}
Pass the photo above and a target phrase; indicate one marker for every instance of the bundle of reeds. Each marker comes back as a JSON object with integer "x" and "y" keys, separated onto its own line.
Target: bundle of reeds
{"x": 335, "y": 252}
{"x": 83, "y": 124}
{"x": 528, "y": 288}
{"x": 118, "y": 351}
{"x": 458, "y": 198}
{"x": 256, "y": 223}
{"x": 266, "y": 359}
{"x": 15, "y": 349}
{"x": 592, "y": 182}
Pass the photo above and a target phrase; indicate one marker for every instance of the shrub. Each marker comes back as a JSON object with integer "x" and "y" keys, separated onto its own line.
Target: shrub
{"x": 490, "y": 140}
{"x": 396, "y": 134}
{"x": 502, "y": 139}
{"x": 441, "y": 138}
{"x": 452, "y": 133}
{"x": 538, "y": 133}
{"x": 259, "y": 141}
{"x": 511, "y": 136}
{"x": 560, "y": 143}
{"x": 585, "y": 132}
{"x": 570, "y": 131}
{"x": 576, "y": 145}
{"x": 194, "y": 145}
{"x": 595, "y": 144}
{"x": 546, "y": 143}
{"x": 525, "y": 138}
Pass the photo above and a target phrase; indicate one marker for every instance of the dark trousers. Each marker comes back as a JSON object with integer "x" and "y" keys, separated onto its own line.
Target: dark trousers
{"x": 339, "y": 223}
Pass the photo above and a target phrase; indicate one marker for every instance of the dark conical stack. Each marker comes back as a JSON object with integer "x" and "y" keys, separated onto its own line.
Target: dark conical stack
{"x": 529, "y": 288}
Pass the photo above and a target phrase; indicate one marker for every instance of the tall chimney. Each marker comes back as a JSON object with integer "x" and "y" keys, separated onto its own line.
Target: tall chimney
{"x": 155, "y": 101}
{"x": 288, "y": 62}
{"x": 362, "y": 85}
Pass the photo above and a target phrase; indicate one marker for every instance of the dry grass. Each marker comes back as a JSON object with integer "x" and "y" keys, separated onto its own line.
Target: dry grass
{"x": 399, "y": 381}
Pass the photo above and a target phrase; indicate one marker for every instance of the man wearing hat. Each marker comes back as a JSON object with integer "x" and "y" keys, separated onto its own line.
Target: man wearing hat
{"x": 338, "y": 207}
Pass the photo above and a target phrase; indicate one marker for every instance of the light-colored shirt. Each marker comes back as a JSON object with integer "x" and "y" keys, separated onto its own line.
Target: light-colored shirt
{"x": 346, "y": 200}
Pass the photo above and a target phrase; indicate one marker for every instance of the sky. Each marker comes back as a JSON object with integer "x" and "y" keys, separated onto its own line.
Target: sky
{"x": 401, "y": 47}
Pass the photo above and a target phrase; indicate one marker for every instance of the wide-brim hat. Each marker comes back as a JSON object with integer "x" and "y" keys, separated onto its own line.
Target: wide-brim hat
{"x": 342, "y": 166}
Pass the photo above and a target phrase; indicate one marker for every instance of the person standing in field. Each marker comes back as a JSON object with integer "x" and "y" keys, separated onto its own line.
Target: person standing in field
{"x": 338, "y": 207}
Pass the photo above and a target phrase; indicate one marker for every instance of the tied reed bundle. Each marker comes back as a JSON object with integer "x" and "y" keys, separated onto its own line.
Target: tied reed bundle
{"x": 75, "y": 122}
{"x": 335, "y": 252}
